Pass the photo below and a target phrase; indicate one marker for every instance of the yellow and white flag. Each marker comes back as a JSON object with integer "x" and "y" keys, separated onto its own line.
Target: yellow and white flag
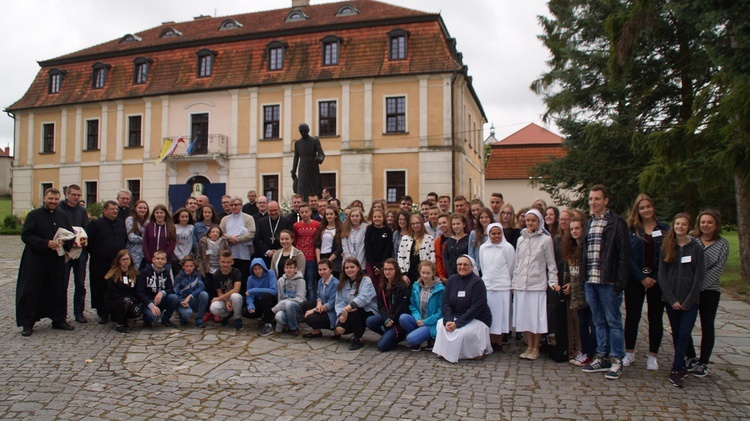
{"x": 167, "y": 148}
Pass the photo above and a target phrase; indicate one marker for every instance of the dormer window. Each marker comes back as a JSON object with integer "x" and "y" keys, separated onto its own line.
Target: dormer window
{"x": 55, "y": 80}
{"x": 99, "y": 76}
{"x": 275, "y": 52}
{"x": 295, "y": 16}
{"x": 206, "y": 59}
{"x": 141, "y": 70}
{"x": 331, "y": 50}
{"x": 397, "y": 43}
{"x": 347, "y": 10}
{"x": 169, "y": 33}
{"x": 229, "y": 24}
{"x": 130, "y": 38}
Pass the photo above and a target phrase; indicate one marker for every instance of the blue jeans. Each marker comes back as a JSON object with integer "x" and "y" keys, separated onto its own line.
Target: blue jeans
{"x": 388, "y": 337}
{"x": 416, "y": 334}
{"x": 79, "y": 281}
{"x": 197, "y": 305}
{"x": 167, "y": 306}
{"x": 605, "y": 310}
{"x": 588, "y": 332}
{"x": 682, "y": 322}
{"x": 311, "y": 273}
{"x": 289, "y": 316}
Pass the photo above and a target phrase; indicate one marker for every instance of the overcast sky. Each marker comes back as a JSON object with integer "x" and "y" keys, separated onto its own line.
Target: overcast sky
{"x": 498, "y": 39}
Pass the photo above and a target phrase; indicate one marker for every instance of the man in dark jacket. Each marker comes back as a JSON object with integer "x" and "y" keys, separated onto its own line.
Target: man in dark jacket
{"x": 107, "y": 236}
{"x": 123, "y": 204}
{"x": 77, "y": 217}
{"x": 40, "y": 290}
{"x": 604, "y": 269}
{"x": 267, "y": 231}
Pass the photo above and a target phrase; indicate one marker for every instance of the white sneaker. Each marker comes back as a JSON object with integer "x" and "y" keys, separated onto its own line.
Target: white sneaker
{"x": 629, "y": 359}
{"x": 652, "y": 363}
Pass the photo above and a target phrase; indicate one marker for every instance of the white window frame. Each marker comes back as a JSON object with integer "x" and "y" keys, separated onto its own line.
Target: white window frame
{"x": 127, "y": 129}
{"x": 406, "y": 113}
{"x": 278, "y": 188}
{"x": 261, "y": 109}
{"x": 317, "y": 116}
{"x": 86, "y": 134}
{"x": 41, "y": 136}
{"x": 385, "y": 183}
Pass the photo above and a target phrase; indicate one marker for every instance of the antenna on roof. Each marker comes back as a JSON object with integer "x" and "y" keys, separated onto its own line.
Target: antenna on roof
{"x": 215, "y": 11}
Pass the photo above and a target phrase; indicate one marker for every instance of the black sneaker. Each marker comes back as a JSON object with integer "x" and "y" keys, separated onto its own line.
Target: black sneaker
{"x": 225, "y": 321}
{"x": 27, "y": 330}
{"x": 677, "y": 378}
{"x": 356, "y": 344}
{"x": 168, "y": 323}
{"x": 701, "y": 370}
{"x": 430, "y": 345}
{"x": 267, "y": 330}
{"x": 615, "y": 370}
{"x": 237, "y": 324}
{"x": 691, "y": 364}
{"x": 598, "y": 364}
{"x": 506, "y": 339}
{"x": 122, "y": 329}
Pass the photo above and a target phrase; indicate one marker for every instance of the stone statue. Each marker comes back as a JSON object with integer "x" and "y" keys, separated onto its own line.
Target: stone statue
{"x": 308, "y": 155}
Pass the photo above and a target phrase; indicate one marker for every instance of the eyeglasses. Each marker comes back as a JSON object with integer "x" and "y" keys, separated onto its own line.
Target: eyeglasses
{"x": 235, "y": 204}
{"x": 416, "y": 223}
{"x": 506, "y": 213}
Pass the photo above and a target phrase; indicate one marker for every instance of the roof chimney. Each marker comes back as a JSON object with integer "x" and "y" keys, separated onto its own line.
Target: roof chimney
{"x": 300, "y": 3}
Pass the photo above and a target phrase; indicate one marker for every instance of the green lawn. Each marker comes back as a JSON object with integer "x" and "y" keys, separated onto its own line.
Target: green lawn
{"x": 5, "y": 207}
{"x": 731, "y": 279}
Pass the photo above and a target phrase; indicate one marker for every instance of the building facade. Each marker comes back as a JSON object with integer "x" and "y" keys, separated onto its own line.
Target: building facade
{"x": 511, "y": 160}
{"x": 383, "y": 87}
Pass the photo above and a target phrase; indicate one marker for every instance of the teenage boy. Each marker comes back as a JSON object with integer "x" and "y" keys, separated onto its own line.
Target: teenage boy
{"x": 431, "y": 226}
{"x": 291, "y": 294}
{"x": 604, "y": 270}
{"x": 406, "y": 203}
{"x": 496, "y": 203}
{"x": 261, "y": 294}
{"x": 228, "y": 300}
{"x": 155, "y": 291}
{"x": 304, "y": 235}
{"x": 190, "y": 290}
{"x": 444, "y": 203}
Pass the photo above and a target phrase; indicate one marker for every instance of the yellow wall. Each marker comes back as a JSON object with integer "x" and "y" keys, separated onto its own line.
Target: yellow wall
{"x": 39, "y": 120}
{"x": 395, "y": 162}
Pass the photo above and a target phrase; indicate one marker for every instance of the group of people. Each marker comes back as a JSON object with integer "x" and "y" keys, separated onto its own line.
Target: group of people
{"x": 456, "y": 282}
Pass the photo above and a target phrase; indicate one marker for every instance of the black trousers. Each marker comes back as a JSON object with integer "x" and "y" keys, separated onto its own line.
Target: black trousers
{"x": 263, "y": 306}
{"x": 707, "y": 308}
{"x": 635, "y": 294}
{"x": 122, "y": 309}
{"x": 315, "y": 320}
{"x": 355, "y": 323}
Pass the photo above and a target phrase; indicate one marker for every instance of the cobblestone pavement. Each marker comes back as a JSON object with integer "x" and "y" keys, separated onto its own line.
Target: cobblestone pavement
{"x": 218, "y": 373}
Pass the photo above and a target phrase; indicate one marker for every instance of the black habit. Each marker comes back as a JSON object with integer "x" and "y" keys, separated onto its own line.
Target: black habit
{"x": 267, "y": 235}
{"x": 40, "y": 290}
{"x": 106, "y": 239}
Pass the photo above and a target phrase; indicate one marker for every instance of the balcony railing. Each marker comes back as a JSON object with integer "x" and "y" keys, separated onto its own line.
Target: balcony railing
{"x": 215, "y": 144}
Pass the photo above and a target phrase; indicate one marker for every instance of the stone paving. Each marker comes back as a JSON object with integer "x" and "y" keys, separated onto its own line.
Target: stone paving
{"x": 220, "y": 373}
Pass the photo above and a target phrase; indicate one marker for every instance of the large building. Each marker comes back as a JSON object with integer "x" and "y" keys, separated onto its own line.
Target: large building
{"x": 382, "y": 86}
{"x": 511, "y": 160}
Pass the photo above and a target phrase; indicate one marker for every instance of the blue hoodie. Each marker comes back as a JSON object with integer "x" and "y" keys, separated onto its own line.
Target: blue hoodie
{"x": 256, "y": 286}
{"x": 185, "y": 285}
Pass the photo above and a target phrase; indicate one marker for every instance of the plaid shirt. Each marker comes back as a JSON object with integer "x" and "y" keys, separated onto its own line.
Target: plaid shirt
{"x": 594, "y": 243}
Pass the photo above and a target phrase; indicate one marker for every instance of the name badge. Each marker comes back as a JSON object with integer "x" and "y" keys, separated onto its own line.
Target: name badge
{"x": 125, "y": 280}
{"x": 686, "y": 259}
{"x": 461, "y": 294}
{"x": 209, "y": 252}
{"x": 656, "y": 233}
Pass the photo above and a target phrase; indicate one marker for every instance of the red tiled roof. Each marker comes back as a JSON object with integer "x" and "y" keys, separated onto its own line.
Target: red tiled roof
{"x": 241, "y": 59}
{"x": 514, "y": 162}
{"x": 531, "y": 135}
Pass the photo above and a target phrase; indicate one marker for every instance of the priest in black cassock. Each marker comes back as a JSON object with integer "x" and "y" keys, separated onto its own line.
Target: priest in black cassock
{"x": 267, "y": 231}
{"x": 40, "y": 291}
